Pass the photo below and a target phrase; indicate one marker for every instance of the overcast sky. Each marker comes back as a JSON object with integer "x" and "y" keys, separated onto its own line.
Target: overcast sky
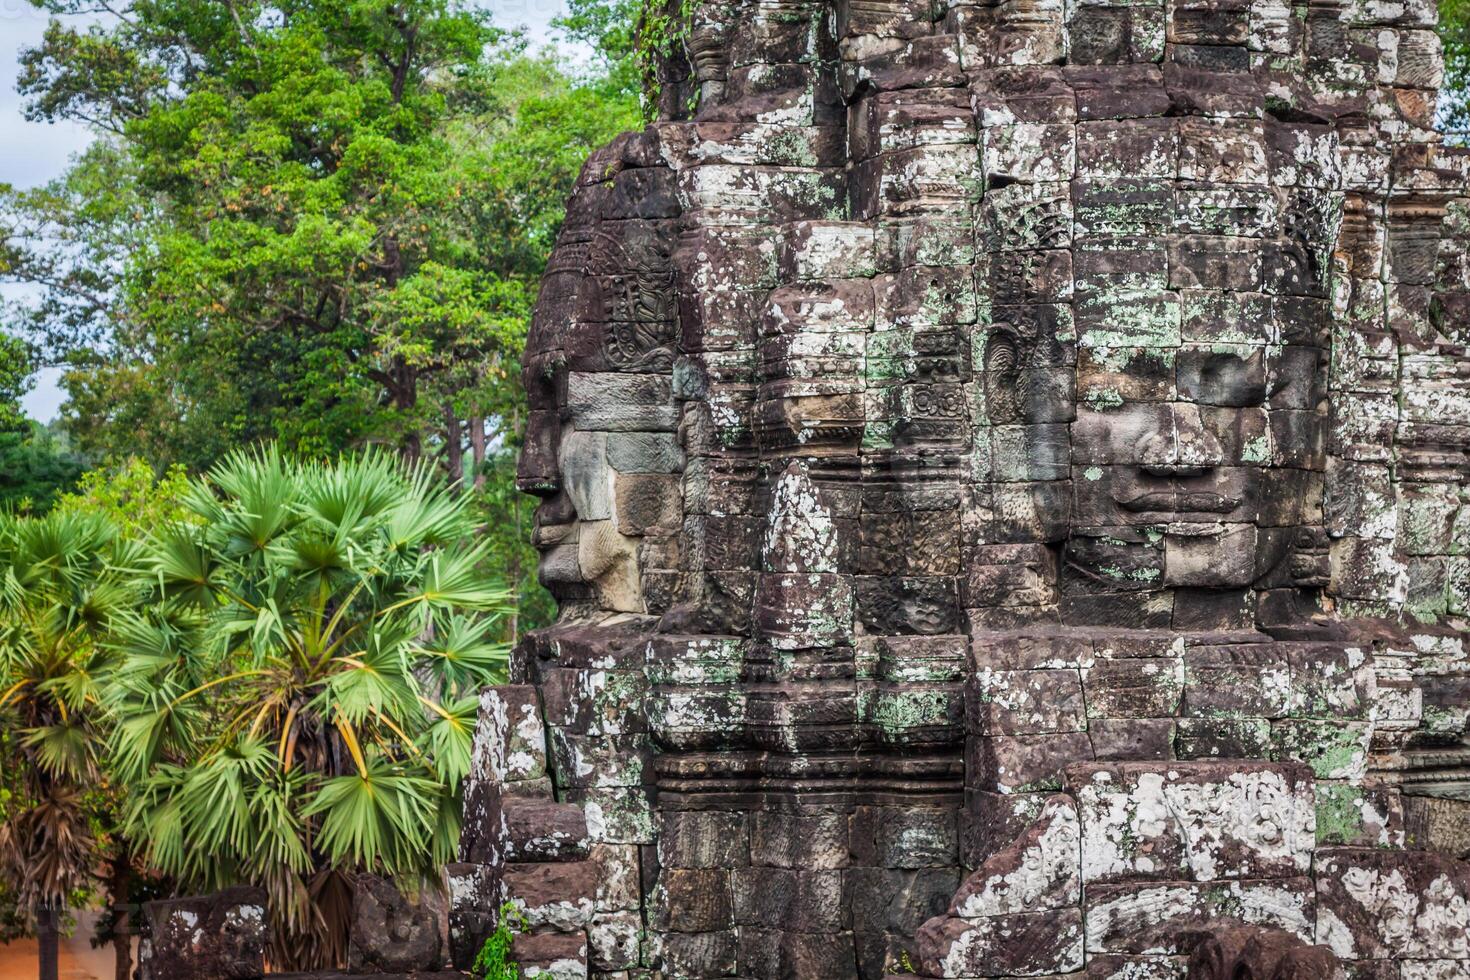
{"x": 33, "y": 153}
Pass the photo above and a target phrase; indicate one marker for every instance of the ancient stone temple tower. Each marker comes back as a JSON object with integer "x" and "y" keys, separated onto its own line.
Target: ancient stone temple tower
{"x": 1003, "y": 473}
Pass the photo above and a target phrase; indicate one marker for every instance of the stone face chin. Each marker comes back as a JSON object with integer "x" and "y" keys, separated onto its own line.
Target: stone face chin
{"x": 1002, "y": 469}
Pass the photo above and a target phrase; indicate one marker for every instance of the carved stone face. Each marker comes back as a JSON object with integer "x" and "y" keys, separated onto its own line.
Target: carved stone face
{"x": 600, "y": 448}
{"x": 1198, "y": 447}
{"x": 945, "y": 404}
{"x": 1041, "y": 324}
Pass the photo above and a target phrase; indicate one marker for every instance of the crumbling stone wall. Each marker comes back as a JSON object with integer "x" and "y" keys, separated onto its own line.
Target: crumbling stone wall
{"x": 941, "y": 399}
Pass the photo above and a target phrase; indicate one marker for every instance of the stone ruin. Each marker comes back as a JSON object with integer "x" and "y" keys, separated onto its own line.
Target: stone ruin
{"x": 1003, "y": 476}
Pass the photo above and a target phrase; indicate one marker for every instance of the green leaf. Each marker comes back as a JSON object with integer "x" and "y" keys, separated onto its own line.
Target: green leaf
{"x": 384, "y": 819}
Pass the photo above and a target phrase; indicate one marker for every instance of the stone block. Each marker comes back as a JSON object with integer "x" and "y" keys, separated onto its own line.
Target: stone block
{"x": 695, "y": 899}
{"x": 1163, "y": 918}
{"x": 609, "y": 402}
{"x": 510, "y": 742}
{"x": 1380, "y": 904}
{"x": 1241, "y": 950}
{"x": 1203, "y": 821}
{"x": 1438, "y": 824}
{"x": 698, "y": 954}
{"x": 550, "y": 955}
{"x": 1131, "y": 739}
{"x": 1334, "y": 749}
{"x": 899, "y": 901}
{"x": 647, "y": 503}
{"x": 1027, "y": 944}
{"x": 810, "y": 250}
{"x": 1237, "y": 680}
{"x": 474, "y": 898}
{"x": 1118, "y": 966}
{"x": 1222, "y": 738}
{"x": 991, "y": 821}
{"x": 791, "y": 953}
{"x": 1023, "y": 763}
{"x": 1039, "y": 871}
{"x": 619, "y": 876}
{"x": 614, "y": 941}
{"x": 222, "y": 936}
{"x": 904, "y": 836}
{"x": 1134, "y": 688}
{"x": 703, "y": 839}
{"x": 540, "y": 830}
{"x": 781, "y": 898}
{"x": 1366, "y": 815}
{"x": 644, "y": 452}
{"x": 615, "y": 814}
{"x": 390, "y": 932}
{"x": 556, "y": 894}
{"x": 1024, "y": 702}
{"x": 582, "y": 761}
{"x": 801, "y": 839}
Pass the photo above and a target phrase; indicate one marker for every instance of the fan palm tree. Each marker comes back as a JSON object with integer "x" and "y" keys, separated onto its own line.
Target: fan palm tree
{"x": 59, "y": 589}
{"x": 297, "y": 702}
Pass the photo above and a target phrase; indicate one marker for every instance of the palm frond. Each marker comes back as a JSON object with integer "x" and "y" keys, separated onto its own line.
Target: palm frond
{"x": 383, "y": 818}
{"x": 449, "y": 739}
{"x": 66, "y": 750}
{"x": 461, "y": 653}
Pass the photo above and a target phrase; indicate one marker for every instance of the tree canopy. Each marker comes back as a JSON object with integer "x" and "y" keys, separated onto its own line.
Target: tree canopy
{"x": 318, "y": 221}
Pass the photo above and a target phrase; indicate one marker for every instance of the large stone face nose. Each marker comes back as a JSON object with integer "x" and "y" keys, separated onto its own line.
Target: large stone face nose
{"x": 1182, "y": 448}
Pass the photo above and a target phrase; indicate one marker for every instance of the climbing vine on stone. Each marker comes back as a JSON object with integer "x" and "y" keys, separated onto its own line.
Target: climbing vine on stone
{"x": 663, "y": 33}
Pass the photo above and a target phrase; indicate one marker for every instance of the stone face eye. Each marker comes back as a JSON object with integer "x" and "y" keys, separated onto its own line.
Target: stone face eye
{"x": 1233, "y": 378}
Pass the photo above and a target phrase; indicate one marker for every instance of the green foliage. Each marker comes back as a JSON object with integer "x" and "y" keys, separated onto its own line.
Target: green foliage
{"x": 663, "y": 33}
{"x": 17, "y": 365}
{"x": 632, "y": 39}
{"x": 609, "y": 28}
{"x": 131, "y": 496}
{"x": 321, "y": 222}
{"x": 35, "y": 466}
{"x": 296, "y": 699}
{"x": 1454, "y": 33}
{"x": 493, "y": 961}
{"x": 505, "y": 526}
{"x": 60, "y": 588}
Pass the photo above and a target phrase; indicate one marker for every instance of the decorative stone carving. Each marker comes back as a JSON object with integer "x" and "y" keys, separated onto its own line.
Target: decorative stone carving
{"x": 951, "y": 417}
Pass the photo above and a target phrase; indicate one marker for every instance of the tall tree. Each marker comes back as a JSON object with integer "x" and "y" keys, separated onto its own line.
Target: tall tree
{"x": 610, "y": 29}
{"x": 61, "y": 590}
{"x": 17, "y": 370}
{"x": 36, "y": 464}
{"x": 35, "y": 461}
{"x": 319, "y": 220}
